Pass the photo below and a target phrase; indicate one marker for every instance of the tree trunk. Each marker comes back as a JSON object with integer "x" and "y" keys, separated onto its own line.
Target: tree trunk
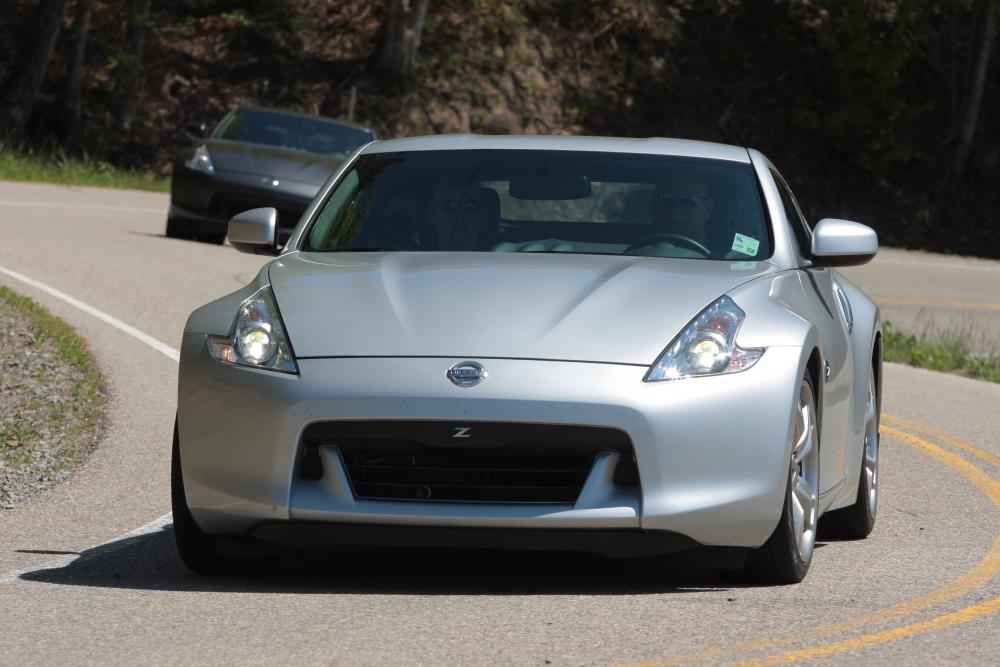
{"x": 72, "y": 97}
{"x": 131, "y": 64}
{"x": 22, "y": 87}
{"x": 401, "y": 37}
{"x": 970, "y": 119}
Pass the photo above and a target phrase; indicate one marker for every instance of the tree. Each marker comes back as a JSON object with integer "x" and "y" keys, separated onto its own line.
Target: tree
{"x": 131, "y": 64}
{"x": 22, "y": 87}
{"x": 72, "y": 104}
{"x": 970, "y": 117}
{"x": 401, "y": 36}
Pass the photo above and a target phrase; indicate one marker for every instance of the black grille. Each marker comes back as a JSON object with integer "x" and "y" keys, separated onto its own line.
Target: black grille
{"x": 226, "y": 206}
{"x": 467, "y": 462}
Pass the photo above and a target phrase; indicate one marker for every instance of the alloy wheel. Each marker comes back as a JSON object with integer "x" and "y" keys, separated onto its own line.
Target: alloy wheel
{"x": 805, "y": 475}
{"x": 871, "y": 448}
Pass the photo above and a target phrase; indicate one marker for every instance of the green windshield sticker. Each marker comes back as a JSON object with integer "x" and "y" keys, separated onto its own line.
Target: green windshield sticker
{"x": 746, "y": 245}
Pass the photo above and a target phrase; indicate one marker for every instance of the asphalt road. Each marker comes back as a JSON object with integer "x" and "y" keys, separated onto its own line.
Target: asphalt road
{"x": 88, "y": 572}
{"x": 938, "y": 295}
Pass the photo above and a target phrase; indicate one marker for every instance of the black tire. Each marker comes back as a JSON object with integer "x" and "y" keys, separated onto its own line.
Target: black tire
{"x": 217, "y": 239}
{"x": 173, "y": 230}
{"x": 778, "y": 560}
{"x": 197, "y": 550}
{"x": 856, "y": 521}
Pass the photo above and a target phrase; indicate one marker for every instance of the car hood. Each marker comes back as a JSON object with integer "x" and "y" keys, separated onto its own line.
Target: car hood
{"x": 597, "y": 308}
{"x": 270, "y": 161}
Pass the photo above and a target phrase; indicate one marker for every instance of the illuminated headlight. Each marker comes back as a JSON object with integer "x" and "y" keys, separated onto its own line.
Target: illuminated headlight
{"x": 258, "y": 337}
{"x": 706, "y": 346}
{"x": 201, "y": 161}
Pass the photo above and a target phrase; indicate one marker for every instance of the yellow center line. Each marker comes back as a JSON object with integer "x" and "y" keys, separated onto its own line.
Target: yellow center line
{"x": 937, "y": 303}
{"x": 944, "y": 437}
{"x": 991, "y": 489}
{"x": 965, "y": 615}
{"x": 976, "y": 578}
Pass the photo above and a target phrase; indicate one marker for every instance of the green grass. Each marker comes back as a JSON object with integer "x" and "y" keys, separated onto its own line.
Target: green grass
{"x": 59, "y": 168}
{"x": 16, "y": 434}
{"x": 88, "y": 391}
{"x": 946, "y": 351}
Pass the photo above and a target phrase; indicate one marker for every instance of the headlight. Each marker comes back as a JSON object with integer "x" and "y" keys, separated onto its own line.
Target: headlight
{"x": 258, "y": 337}
{"x": 201, "y": 161}
{"x": 706, "y": 346}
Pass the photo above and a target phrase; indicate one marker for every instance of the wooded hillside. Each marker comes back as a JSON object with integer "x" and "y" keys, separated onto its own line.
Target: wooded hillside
{"x": 878, "y": 110}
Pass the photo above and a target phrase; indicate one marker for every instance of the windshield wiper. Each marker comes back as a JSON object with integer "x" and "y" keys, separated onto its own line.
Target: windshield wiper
{"x": 365, "y": 250}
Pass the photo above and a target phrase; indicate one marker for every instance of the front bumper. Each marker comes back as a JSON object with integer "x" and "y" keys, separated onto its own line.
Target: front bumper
{"x": 204, "y": 203}
{"x": 712, "y": 453}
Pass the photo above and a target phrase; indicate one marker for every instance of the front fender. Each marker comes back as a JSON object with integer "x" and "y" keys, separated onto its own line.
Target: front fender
{"x": 217, "y": 317}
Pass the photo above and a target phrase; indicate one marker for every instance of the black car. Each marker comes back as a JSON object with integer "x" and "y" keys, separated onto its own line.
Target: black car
{"x": 253, "y": 158}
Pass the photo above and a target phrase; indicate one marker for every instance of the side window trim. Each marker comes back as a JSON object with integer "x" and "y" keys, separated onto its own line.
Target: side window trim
{"x": 803, "y": 233}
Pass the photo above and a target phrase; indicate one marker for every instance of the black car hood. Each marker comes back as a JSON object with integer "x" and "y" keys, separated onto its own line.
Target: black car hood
{"x": 271, "y": 161}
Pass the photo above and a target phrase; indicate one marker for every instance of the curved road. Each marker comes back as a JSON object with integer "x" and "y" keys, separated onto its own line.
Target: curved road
{"x": 88, "y": 572}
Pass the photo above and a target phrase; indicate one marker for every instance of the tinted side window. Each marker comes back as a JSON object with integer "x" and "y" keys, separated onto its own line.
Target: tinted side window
{"x": 798, "y": 223}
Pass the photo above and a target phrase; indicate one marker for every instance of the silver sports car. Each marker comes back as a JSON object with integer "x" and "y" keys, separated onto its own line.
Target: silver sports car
{"x": 622, "y": 346}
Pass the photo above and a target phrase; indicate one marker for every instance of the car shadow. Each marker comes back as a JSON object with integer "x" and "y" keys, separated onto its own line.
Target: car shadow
{"x": 150, "y": 562}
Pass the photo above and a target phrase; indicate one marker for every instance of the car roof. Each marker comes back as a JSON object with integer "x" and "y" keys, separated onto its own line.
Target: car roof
{"x": 312, "y": 116}
{"x": 653, "y": 146}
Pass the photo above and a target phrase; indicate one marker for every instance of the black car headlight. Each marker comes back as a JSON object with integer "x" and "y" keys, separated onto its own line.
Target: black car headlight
{"x": 201, "y": 161}
{"x": 258, "y": 337}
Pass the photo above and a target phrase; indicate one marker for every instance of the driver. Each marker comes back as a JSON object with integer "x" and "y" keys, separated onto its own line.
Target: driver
{"x": 683, "y": 205}
{"x": 455, "y": 215}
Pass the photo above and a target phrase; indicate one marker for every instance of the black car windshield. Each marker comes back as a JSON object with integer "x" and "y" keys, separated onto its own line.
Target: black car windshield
{"x": 545, "y": 201}
{"x": 313, "y": 135}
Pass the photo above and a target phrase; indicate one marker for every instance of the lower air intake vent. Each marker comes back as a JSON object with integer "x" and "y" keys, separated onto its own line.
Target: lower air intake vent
{"x": 468, "y": 462}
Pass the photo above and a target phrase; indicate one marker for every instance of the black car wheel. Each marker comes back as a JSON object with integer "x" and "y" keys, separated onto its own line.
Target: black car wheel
{"x": 173, "y": 230}
{"x": 217, "y": 239}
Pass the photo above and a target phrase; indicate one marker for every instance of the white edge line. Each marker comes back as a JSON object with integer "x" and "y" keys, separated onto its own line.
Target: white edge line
{"x": 156, "y": 524}
{"x": 102, "y": 207}
{"x": 114, "y": 544}
{"x": 99, "y": 314}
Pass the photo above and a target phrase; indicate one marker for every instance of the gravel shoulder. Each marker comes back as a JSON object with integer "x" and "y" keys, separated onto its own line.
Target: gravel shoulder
{"x": 52, "y": 399}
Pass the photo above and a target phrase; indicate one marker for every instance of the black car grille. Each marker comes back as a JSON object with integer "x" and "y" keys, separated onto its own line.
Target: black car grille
{"x": 486, "y": 462}
{"x": 226, "y": 206}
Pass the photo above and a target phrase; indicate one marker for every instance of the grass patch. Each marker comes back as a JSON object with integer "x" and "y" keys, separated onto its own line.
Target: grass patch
{"x": 16, "y": 435}
{"x": 52, "y": 398}
{"x": 57, "y": 167}
{"x": 47, "y": 326}
{"x": 946, "y": 351}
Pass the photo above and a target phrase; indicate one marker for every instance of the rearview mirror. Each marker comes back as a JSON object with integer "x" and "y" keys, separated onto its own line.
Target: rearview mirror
{"x": 550, "y": 188}
{"x": 255, "y": 231}
{"x": 843, "y": 243}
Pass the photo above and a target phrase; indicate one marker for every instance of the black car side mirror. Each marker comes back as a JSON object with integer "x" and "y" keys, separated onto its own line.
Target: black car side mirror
{"x": 196, "y": 131}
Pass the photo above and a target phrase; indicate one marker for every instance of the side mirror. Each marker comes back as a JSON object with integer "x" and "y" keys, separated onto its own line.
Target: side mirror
{"x": 255, "y": 231}
{"x": 843, "y": 243}
{"x": 196, "y": 130}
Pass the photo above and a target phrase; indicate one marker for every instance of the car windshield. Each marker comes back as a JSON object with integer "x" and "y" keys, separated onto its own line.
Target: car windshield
{"x": 545, "y": 201}
{"x": 313, "y": 135}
